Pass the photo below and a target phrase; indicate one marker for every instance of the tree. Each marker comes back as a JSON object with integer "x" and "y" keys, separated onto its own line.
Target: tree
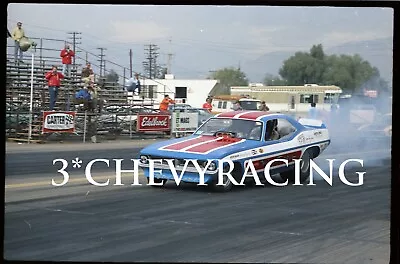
{"x": 347, "y": 72}
{"x": 271, "y": 80}
{"x": 112, "y": 77}
{"x": 228, "y": 77}
{"x": 161, "y": 71}
{"x": 297, "y": 70}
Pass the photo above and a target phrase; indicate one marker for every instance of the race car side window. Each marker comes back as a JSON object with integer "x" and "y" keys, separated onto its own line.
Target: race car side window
{"x": 271, "y": 132}
{"x": 285, "y": 128}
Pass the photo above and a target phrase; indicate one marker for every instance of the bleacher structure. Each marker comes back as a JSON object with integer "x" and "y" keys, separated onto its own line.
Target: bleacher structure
{"x": 18, "y": 92}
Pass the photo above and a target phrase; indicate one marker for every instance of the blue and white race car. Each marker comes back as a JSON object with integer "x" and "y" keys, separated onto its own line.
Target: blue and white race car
{"x": 239, "y": 136}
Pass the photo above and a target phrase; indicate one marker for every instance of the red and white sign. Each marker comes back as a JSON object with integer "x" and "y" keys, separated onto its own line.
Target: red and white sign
{"x": 371, "y": 93}
{"x": 58, "y": 122}
{"x": 153, "y": 122}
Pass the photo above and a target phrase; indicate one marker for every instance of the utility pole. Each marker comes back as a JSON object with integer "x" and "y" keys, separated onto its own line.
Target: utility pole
{"x": 74, "y": 39}
{"x": 130, "y": 62}
{"x": 169, "y": 63}
{"x": 150, "y": 64}
{"x": 170, "y": 55}
{"x": 102, "y": 62}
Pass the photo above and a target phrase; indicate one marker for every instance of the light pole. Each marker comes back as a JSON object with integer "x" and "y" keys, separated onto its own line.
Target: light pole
{"x": 31, "y": 97}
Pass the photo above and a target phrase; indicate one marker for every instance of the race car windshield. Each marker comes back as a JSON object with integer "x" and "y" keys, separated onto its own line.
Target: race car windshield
{"x": 245, "y": 129}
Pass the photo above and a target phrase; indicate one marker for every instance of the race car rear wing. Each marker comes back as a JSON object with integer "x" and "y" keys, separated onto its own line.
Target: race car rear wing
{"x": 312, "y": 122}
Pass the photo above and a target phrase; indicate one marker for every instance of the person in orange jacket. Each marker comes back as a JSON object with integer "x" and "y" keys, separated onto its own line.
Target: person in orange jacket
{"x": 165, "y": 103}
{"x": 53, "y": 78}
{"x": 66, "y": 54}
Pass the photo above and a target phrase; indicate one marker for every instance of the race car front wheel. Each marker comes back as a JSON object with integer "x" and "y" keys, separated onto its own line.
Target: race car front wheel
{"x": 304, "y": 170}
{"x": 226, "y": 187}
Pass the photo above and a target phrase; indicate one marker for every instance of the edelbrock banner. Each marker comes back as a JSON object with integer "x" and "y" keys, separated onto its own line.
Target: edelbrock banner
{"x": 153, "y": 122}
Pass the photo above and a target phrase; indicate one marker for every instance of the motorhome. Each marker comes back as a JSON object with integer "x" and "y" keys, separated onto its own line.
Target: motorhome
{"x": 292, "y": 98}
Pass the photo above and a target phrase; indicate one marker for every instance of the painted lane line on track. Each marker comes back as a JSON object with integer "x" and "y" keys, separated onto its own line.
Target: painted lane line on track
{"x": 81, "y": 180}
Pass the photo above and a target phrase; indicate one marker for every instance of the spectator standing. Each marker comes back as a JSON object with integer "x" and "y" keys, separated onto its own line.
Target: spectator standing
{"x": 17, "y": 34}
{"x": 207, "y": 105}
{"x": 165, "y": 103}
{"x": 87, "y": 74}
{"x": 263, "y": 107}
{"x": 66, "y": 54}
{"x": 53, "y": 78}
{"x": 236, "y": 106}
{"x": 313, "y": 111}
{"x": 137, "y": 84}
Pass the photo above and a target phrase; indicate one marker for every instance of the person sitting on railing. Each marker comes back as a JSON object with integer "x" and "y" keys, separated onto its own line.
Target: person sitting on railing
{"x": 133, "y": 85}
{"x": 83, "y": 97}
{"x": 96, "y": 102}
{"x": 66, "y": 54}
{"x": 87, "y": 74}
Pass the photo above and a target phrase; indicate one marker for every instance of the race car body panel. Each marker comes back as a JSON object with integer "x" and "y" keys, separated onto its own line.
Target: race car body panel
{"x": 240, "y": 137}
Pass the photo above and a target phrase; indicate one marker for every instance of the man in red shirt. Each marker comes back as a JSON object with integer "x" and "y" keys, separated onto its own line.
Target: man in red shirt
{"x": 66, "y": 55}
{"x": 53, "y": 78}
{"x": 207, "y": 105}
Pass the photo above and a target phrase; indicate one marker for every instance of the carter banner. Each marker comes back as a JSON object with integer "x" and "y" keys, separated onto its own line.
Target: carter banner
{"x": 58, "y": 122}
{"x": 153, "y": 122}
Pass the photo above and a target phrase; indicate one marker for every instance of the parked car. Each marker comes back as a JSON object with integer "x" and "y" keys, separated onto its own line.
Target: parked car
{"x": 241, "y": 137}
{"x": 377, "y": 133}
{"x": 119, "y": 118}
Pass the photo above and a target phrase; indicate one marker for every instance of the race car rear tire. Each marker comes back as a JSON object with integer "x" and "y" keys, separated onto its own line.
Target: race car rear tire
{"x": 304, "y": 170}
{"x": 163, "y": 181}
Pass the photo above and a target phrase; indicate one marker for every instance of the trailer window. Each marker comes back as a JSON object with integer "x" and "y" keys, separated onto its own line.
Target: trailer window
{"x": 308, "y": 98}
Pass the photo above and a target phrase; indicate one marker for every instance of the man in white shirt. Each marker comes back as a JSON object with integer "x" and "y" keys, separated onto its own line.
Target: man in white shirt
{"x": 17, "y": 34}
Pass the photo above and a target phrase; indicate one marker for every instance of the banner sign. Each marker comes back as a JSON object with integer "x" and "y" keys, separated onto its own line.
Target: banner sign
{"x": 153, "y": 122}
{"x": 371, "y": 93}
{"x": 58, "y": 122}
{"x": 184, "y": 122}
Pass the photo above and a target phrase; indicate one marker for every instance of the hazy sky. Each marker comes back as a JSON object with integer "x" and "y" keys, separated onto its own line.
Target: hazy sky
{"x": 202, "y": 38}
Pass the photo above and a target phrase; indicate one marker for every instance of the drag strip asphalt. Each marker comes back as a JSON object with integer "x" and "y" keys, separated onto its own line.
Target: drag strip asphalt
{"x": 313, "y": 224}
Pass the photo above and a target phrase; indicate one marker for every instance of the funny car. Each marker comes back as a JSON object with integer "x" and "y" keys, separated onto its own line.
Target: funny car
{"x": 239, "y": 136}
